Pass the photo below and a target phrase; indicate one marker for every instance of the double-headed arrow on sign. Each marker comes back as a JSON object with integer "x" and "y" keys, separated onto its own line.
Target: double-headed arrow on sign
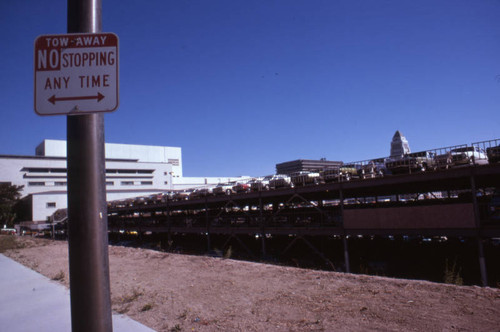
{"x": 53, "y": 99}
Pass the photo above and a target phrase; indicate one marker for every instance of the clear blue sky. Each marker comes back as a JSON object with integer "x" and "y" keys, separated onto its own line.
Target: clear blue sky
{"x": 243, "y": 85}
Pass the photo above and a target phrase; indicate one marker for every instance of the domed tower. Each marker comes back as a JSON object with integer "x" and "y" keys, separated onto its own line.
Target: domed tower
{"x": 399, "y": 145}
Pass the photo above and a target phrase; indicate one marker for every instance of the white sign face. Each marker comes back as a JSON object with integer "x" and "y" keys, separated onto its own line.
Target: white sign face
{"x": 76, "y": 73}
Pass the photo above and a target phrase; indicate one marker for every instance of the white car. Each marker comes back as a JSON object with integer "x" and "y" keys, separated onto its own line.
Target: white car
{"x": 468, "y": 155}
{"x": 261, "y": 183}
{"x": 280, "y": 181}
{"x": 224, "y": 188}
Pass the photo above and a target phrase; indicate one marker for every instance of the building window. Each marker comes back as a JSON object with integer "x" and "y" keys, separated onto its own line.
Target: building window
{"x": 145, "y": 171}
{"x": 129, "y": 171}
{"x": 110, "y": 183}
{"x": 36, "y": 183}
{"x": 60, "y": 183}
{"x": 126, "y": 171}
{"x": 146, "y": 183}
{"x": 174, "y": 162}
{"x": 36, "y": 170}
{"x": 127, "y": 183}
{"x": 51, "y": 204}
{"x": 58, "y": 170}
{"x": 44, "y": 170}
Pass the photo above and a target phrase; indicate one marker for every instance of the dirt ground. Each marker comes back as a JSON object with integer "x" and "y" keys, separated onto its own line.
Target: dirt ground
{"x": 171, "y": 292}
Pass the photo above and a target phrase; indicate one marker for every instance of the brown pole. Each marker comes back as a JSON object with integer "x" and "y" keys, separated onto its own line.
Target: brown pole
{"x": 87, "y": 210}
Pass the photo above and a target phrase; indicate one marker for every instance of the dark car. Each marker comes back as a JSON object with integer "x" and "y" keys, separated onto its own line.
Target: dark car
{"x": 493, "y": 154}
{"x": 412, "y": 163}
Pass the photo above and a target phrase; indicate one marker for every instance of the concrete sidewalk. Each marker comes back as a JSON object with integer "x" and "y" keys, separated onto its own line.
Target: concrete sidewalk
{"x": 32, "y": 302}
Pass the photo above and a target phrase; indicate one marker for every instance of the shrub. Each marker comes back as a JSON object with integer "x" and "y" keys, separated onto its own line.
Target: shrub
{"x": 131, "y": 297}
{"x": 8, "y": 242}
{"x": 147, "y": 307}
{"x": 59, "y": 276}
{"x": 228, "y": 253}
{"x": 452, "y": 274}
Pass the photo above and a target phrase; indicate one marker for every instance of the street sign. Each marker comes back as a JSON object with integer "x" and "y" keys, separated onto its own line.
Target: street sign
{"x": 76, "y": 73}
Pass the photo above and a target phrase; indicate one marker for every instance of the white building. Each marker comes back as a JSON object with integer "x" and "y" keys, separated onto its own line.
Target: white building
{"x": 131, "y": 171}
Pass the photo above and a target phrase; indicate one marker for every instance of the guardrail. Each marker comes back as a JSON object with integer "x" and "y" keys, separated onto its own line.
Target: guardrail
{"x": 478, "y": 153}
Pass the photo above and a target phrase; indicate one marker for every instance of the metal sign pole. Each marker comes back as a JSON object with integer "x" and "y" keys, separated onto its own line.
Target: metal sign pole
{"x": 87, "y": 211}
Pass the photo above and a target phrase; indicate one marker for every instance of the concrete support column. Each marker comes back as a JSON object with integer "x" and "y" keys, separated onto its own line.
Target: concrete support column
{"x": 344, "y": 236}
{"x": 477, "y": 220}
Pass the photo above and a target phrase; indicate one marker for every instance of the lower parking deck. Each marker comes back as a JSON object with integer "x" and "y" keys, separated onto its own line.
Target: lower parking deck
{"x": 455, "y": 203}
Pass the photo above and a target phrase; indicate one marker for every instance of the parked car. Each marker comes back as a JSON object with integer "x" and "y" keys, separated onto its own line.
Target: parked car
{"x": 182, "y": 195}
{"x": 241, "y": 187}
{"x": 373, "y": 169}
{"x": 8, "y": 231}
{"x": 224, "y": 188}
{"x": 444, "y": 161}
{"x": 493, "y": 154}
{"x": 140, "y": 200}
{"x": 338, "y": 174}
{"x": 155, "y": 199}
{"x": 280, "y": 181}
{"x": 197, "y": 193}
{"x": 350, "y": 171}
{"x": 304, "y": 178}
{"x": 260, "y": 183}
{"x": 330, "y": 174}
{"x": 412, "y": 163}
{"x": 494, "y": 207}
{"x": 129, "y": 202}
{"x": 469, "y": 155}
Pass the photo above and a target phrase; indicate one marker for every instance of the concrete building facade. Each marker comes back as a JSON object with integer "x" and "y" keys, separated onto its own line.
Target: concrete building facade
{"x": 307, "y": 165}
{"x": 131, "y": 171}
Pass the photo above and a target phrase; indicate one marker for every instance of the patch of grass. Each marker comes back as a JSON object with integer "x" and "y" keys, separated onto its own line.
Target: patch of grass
{"x": 147, "y": 307}
{"x": 176, "y": 328}
{"x": 123, "y": 310}
{"x": 131, "y": 297}
{"x": 363, "y": 269}
{"x": 452, "y": 274}
{"x": 8, "y": 242}
{"x": 229, "y": 253}
{"x": 183, "y": 315}
{"x": 59, "y": 276}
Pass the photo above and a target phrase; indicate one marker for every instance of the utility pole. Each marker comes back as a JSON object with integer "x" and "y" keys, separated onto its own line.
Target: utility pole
{"x": 87, "y": 210}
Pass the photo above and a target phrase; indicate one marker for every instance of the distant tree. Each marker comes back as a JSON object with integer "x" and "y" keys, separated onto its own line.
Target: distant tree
{"x": 9, "y": 196}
